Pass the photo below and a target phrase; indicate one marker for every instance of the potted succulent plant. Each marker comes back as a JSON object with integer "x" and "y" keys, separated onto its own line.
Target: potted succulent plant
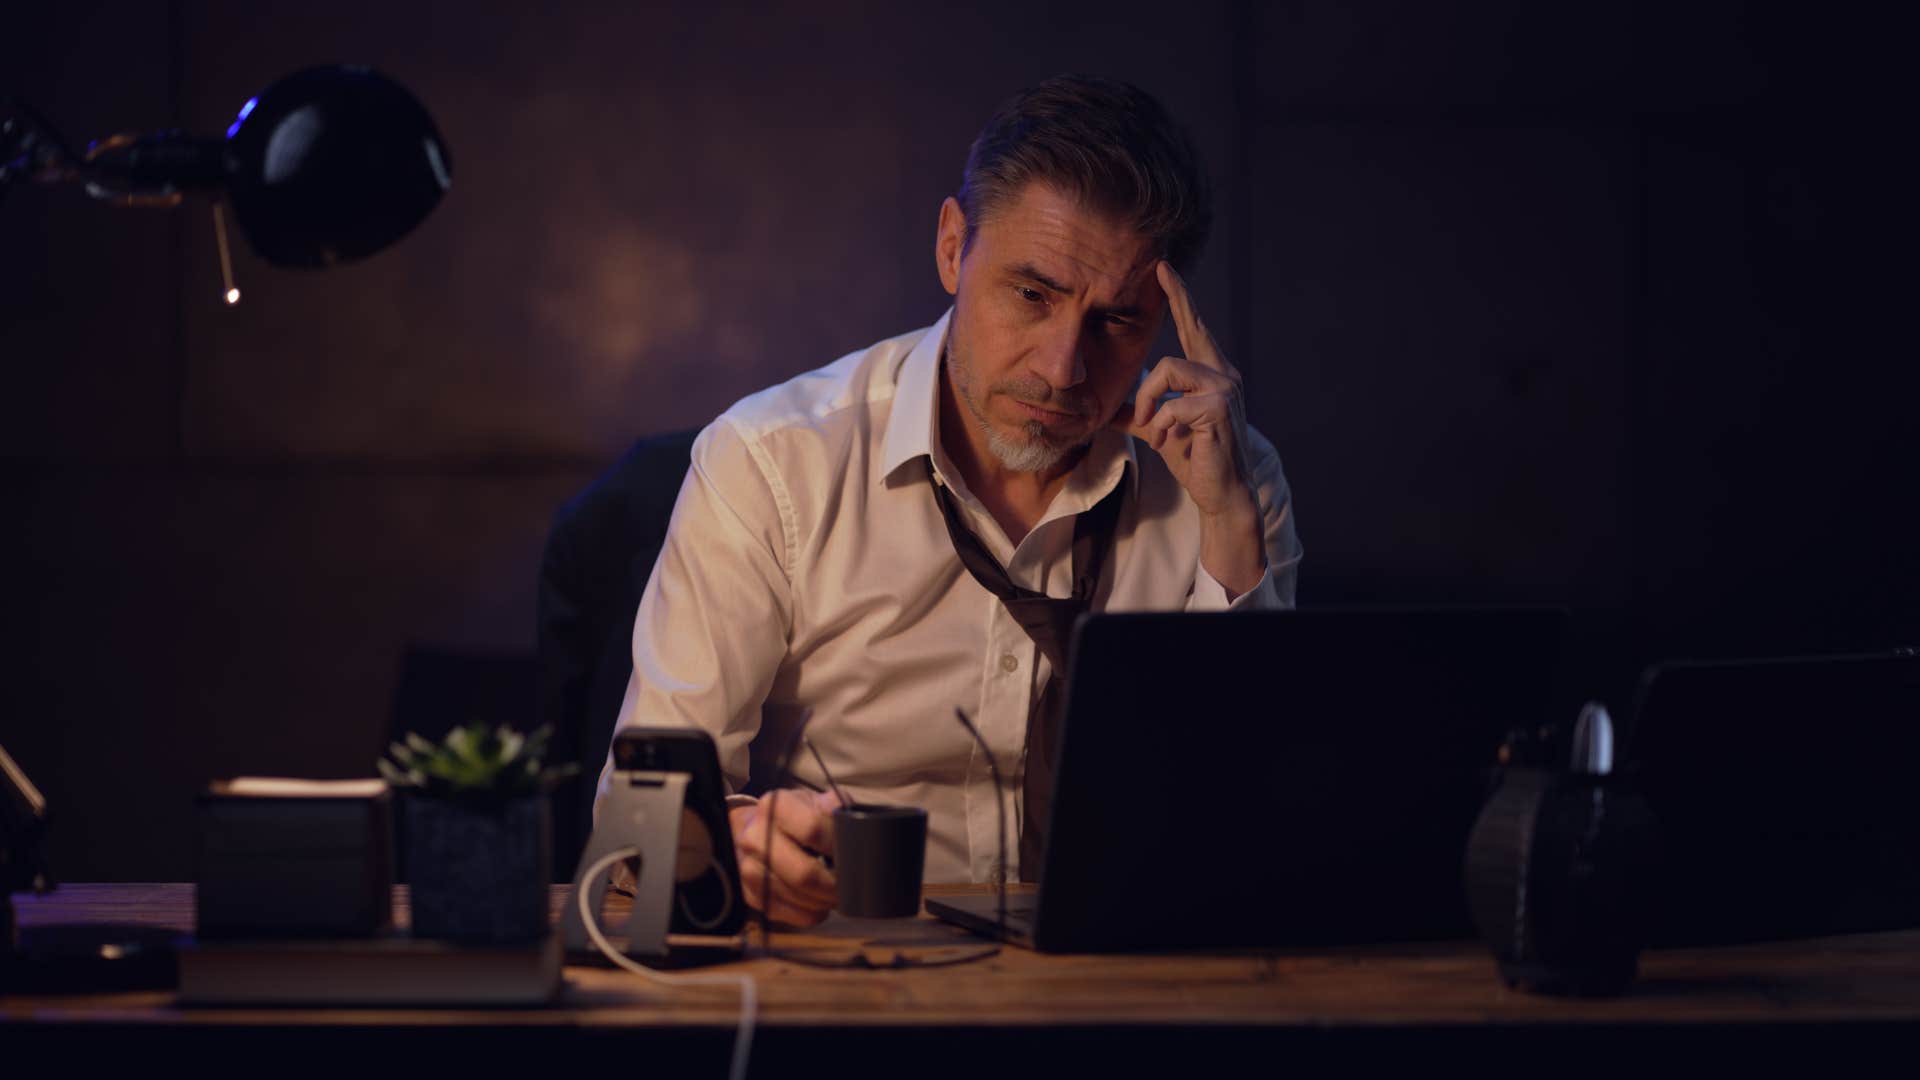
{"x": 478, "y": 820}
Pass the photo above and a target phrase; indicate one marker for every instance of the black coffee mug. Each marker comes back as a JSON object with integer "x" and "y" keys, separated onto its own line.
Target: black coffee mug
{"x": 879, "y": 853}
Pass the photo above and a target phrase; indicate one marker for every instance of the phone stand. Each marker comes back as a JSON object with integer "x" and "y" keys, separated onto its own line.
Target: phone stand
{"x": 643, "y": 810}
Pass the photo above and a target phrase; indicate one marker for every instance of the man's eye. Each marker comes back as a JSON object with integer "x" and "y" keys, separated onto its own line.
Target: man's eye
{"x": 1031, "y": 296}
{"x": 1117, "y": 324}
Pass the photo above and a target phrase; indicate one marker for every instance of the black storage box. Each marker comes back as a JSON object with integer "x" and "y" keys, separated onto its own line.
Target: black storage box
{"x": 295, "y": 858}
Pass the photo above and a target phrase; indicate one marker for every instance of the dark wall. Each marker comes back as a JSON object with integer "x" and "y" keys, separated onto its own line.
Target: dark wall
{"x": 1601, "y": 306}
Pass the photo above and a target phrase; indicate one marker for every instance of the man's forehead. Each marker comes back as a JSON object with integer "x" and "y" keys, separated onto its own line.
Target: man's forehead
{"x": 1070, "y": 246}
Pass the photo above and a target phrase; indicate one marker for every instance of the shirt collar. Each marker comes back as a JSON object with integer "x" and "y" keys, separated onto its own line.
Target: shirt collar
{"x": 913, "y": 426}
{"x": 911, "y": 422}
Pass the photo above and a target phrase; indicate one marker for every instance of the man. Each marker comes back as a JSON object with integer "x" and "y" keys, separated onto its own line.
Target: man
{"x": 849, "y": 548}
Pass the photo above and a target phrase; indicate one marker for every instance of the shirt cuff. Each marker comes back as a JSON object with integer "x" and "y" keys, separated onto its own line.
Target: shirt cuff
{"x": 1210, "y": 595}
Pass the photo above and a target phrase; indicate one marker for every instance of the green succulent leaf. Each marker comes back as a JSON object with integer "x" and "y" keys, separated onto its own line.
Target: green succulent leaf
{"x": 459, "y": 742}
{"x": 474, "y": 761}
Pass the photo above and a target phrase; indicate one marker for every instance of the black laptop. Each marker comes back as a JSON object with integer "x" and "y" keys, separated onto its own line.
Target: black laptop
{"x": 1783, "y": 793}
{"x": 1275, "y": 779}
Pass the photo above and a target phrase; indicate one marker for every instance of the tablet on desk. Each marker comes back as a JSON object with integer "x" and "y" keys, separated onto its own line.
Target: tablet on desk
{"x": 1316, "y": 787}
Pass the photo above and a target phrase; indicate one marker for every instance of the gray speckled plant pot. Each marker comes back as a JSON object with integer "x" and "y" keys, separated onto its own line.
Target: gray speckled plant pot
{"x": 479, "y": 871}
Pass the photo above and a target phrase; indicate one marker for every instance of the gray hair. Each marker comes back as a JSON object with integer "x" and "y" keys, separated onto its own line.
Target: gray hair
{"x": 1107, "y": 143}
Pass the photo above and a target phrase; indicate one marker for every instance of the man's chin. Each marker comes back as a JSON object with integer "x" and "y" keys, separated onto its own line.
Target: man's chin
{"x": 1034, "y": 448}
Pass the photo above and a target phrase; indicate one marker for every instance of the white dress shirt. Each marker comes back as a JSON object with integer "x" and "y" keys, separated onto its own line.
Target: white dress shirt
{"x": 808, "y": 570}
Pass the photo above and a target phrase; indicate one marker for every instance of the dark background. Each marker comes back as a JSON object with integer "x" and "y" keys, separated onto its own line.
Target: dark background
{"x": 1602, "y": 305}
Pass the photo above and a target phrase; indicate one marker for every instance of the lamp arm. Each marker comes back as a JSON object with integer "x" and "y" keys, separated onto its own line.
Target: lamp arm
{"x": 30, "y": 147}
{"x": 23, "y": 861}
{"x": 23, "y": 826}
{"x": 125, "y": 169}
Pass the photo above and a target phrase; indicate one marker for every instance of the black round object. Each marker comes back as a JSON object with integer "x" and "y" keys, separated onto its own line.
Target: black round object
{"x": 92, "y": 959}
{"x": 332, "y": 164}
{"x": 1557, "y": 875}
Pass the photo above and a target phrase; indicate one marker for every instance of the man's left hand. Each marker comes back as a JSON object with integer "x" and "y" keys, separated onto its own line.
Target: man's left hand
{"x": 1202, "y": 436}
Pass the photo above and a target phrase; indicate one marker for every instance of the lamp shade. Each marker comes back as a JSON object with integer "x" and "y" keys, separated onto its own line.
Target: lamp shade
{"x": 332, "y": 164}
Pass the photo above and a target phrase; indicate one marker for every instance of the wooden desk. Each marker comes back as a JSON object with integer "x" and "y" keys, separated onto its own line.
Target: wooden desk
{"x": 1021, "y": 1011}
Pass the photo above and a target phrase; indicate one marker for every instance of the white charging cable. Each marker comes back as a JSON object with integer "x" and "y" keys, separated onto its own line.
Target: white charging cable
{"x": 743, "y": 1037}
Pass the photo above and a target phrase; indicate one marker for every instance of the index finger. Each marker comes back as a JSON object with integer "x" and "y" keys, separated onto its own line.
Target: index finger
{"x": 1195, "y": 340}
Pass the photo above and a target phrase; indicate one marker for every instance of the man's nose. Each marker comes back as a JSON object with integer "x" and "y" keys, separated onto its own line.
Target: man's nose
{"x": 1060, "y": 359}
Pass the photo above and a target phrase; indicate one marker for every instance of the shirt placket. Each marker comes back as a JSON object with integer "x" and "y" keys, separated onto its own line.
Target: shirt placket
{"x": 1005, "y": 695}
{"x": 1014, "y": 665}
{"x": 1009, "y": 675}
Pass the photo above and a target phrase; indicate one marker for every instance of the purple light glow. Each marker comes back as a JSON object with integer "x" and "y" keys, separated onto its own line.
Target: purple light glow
{"x": 238, "y": 120}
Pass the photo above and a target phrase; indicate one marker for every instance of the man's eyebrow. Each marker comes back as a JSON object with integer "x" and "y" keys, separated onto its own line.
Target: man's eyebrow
{"x": 1032, "y": 273}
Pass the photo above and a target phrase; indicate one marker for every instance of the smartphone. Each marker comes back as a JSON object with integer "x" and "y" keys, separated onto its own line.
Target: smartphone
{"x": 707, "y": 897}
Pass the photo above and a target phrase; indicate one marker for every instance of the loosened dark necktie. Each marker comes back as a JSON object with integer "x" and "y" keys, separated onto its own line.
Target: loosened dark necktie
{"x": 1049, "y": 622}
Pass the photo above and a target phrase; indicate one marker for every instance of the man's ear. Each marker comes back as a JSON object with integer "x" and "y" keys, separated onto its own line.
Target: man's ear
{"x": 948, "y": 241}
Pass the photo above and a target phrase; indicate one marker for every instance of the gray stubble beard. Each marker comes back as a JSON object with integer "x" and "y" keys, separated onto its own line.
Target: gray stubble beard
{"x": 1036, "y": 454}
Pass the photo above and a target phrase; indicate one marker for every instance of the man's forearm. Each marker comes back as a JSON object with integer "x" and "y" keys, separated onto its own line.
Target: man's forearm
{"x": 1233, "y": 549}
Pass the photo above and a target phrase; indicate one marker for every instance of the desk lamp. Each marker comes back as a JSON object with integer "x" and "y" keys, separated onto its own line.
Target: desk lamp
{"x": 325, "y": 166}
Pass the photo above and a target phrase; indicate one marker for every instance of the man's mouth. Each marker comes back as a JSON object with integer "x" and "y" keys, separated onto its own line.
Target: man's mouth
{"x": 1042, "y": 415}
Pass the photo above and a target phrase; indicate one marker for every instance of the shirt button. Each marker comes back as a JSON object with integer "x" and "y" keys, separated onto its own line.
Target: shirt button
{"x": 1009, "y": 662}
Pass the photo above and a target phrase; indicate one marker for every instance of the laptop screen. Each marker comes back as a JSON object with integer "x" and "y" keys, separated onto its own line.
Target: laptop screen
{"x": 1281, "y": 778}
